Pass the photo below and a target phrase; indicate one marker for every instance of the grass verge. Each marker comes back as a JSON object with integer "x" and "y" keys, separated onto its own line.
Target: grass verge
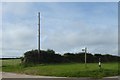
{"x": 62, "y": 70}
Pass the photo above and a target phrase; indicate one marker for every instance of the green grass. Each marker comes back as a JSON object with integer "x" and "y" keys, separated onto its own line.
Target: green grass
{"x": 0, "y": 65}
{"x": 64, "y": 70}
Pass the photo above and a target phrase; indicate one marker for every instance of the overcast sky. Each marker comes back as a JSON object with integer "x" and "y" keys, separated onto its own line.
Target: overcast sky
{"x": 65, "y": 27}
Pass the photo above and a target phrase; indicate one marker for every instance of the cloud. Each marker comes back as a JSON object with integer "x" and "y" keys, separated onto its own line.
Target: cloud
{"x": 18, "y": 38}
{"x": 65, "y": 27}
{"x": 0, "y": 29}
{"x": 69, "y": 38}
{"x": 18, "y": 35}
{"x": 59, "y": 1}
{"x": 70, "y": 33}
{"x": 17, "y": 31}
{"x": 15, "y": 8}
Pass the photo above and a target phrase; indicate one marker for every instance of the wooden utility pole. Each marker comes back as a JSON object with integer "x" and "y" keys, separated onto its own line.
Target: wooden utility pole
{"x": 38, "y": 32}
{"x": 85, "y": 57}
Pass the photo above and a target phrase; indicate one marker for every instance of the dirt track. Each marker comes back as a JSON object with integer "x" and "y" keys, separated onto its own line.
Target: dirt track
{"x": 14, "y": 76}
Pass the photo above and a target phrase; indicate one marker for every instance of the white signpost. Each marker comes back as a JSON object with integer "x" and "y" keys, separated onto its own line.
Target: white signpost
{"x": 85, "y": 50}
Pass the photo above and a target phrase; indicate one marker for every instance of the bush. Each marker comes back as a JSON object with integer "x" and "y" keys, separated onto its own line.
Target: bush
{"x": 49, "y": 56}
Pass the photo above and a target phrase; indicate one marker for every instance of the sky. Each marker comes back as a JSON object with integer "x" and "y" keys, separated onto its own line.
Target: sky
{"x": 65, "y": 27}
{"x": 59, "y": 0}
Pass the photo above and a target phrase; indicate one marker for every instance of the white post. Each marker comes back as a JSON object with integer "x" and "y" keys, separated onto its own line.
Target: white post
{"x": 85, "y": 50}
{"x": 99, "y": 63}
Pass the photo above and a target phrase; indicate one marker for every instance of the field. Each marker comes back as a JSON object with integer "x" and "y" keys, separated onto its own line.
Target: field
{"x": 64, "y": 70}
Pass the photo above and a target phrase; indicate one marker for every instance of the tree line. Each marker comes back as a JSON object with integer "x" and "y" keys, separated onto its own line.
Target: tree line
{"x": 49, "y": 56}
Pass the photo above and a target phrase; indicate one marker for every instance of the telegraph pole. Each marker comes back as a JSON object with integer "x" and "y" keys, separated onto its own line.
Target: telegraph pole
{"x": 38, "y": 32}
{"x": 85, "y": 57}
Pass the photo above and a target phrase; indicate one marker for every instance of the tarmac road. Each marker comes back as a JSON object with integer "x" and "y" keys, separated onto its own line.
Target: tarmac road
{"x": 14, "y": 76}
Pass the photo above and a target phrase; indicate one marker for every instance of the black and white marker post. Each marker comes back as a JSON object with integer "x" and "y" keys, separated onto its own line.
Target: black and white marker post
{"x": 99, "y": 63}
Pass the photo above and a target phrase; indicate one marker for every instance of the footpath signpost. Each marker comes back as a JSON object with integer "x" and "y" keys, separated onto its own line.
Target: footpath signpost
{"x": 85, "y": 50}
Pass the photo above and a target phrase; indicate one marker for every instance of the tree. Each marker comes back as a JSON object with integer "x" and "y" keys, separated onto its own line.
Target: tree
{"x": 50, "y": 56}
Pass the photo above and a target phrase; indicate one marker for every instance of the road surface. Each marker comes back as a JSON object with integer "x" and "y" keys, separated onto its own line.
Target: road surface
{"x": 14, "y": 76}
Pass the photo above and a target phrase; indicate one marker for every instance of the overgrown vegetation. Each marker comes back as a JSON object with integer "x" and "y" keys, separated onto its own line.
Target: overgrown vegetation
{"x": 48, "y": 63}
{"x": 50, "y": 56}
